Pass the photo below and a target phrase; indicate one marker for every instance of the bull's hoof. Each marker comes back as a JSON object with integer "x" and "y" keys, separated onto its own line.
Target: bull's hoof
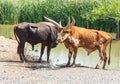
{"x": 23, "y": 61}
{"x": 73, "y": 65}
{"x": 68, "y": 65}
{"x": 39, "y": 61}
{"x": 26, "y": 60}
{"x": 48, "y": 62}
{"x": 97, "y": 67}
{"x": 103, "y": 67}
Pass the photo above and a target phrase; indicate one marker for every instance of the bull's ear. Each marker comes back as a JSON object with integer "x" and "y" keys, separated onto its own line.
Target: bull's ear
{"x": 59, "y": 29}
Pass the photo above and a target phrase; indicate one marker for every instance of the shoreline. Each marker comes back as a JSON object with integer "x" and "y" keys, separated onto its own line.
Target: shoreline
{"x": 15, "y": 72}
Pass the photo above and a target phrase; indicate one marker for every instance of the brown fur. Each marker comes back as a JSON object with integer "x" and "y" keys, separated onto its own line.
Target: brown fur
{"x": 90, "y": 40}
{"x": 74, "y": 37}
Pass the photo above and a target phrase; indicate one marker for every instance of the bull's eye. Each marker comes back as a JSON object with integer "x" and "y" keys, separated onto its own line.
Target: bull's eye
{"x": 65, "y": 31}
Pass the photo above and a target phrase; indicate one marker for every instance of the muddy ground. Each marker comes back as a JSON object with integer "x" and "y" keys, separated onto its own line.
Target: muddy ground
{"x": 12, "y": 71}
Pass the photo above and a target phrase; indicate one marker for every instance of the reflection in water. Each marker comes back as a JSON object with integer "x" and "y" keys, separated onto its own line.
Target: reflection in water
{"x": 59, "y": 55}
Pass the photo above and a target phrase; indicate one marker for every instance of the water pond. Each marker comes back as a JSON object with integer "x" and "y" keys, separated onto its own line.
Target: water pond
{"x": 59, "y": 55}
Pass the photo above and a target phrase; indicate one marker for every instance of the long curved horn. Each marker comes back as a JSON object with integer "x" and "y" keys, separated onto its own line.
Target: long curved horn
{"x": 60, "y": 22}
{"x": 68, "y": 21}
{"x": 72, "y": 23}
{"x": 52, "y": 21}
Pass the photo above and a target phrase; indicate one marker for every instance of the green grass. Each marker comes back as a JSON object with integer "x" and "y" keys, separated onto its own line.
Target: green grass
{"x": 16, "y": 11}
{"x": 7, "y": 31}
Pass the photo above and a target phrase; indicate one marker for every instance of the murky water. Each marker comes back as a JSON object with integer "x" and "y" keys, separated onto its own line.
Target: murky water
{"x": 59, "y": 55}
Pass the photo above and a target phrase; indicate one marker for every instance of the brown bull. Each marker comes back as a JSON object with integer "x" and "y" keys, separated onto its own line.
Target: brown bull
{"x": 74, "y": 37}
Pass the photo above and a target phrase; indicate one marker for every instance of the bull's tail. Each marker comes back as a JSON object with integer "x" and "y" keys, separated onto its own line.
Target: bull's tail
{"x": 109, "y": 52}
{"x": 16, "y": 35}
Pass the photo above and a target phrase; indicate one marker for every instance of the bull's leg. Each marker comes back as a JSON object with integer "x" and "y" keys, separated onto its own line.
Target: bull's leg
{"x": 21, "y": 51}
{"x": 69, "y": 57}
{"x": 102, "y": 55}
{"x": 23, "y": 45}
{"x": 105, "y": 55}
{"x": 48, "y": 53}
{"x": 41, "y": 53}
{"x": 105, "y": 59}
{"x": 98, "y": 65}
{"x": 74, "y": 56}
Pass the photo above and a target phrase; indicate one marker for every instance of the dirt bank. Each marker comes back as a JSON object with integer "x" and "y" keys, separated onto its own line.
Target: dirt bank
{"x": 12, "y": 71}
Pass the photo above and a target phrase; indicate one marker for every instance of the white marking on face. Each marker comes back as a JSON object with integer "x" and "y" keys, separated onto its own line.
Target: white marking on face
{"x": 64, "y": 37}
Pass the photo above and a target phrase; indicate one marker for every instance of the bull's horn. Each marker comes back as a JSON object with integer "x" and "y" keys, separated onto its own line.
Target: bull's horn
{"x": 60, "y": 22}
{"x": 52, "y": 21}
{"x": 72, "y": 23}
{"x": 68, "y": 21}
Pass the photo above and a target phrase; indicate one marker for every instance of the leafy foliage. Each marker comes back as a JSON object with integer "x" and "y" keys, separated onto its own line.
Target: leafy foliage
{"x": 97, "y": 14}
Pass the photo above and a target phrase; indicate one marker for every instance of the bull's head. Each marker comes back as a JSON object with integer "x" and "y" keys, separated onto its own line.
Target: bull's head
{"x": 63, "y": 32}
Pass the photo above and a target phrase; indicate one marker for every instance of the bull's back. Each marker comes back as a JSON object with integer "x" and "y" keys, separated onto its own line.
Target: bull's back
{"x": 42, "y": 34}
{"x": 86, "y": 36}
{"x": 105, "y": 35}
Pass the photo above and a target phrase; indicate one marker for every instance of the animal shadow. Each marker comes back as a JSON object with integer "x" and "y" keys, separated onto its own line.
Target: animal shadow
{"x": 46, "y": 66}
{"x": 34, "y": 65}
{"x": 10, "y": 61}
